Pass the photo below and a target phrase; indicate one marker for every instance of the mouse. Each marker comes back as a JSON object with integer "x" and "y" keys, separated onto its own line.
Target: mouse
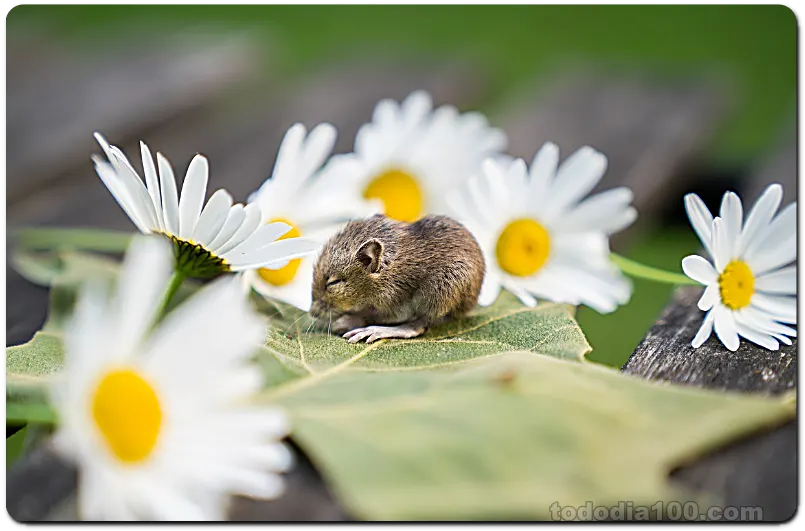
{"x": 379, "y": 278}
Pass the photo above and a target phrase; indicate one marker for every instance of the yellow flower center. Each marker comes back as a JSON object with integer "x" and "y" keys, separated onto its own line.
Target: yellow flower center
{"x": 128, "y": 414}
{"x": 285, "y": 274}
{"x": 523, "y": 247}
{"x": 400, "y": 193}
{"x": 737, "y": 285}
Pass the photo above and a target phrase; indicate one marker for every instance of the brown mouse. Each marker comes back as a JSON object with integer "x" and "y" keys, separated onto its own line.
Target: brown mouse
{"x": 381, "y": 278}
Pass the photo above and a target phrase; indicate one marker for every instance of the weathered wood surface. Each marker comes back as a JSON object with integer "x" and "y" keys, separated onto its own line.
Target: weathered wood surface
{"x": 240, "y": 136}
{"x": 651, "y": 129}
{"x": 665, "y": 354}
{"x": 759, "y": 471}
{"x": 62, "y": 97}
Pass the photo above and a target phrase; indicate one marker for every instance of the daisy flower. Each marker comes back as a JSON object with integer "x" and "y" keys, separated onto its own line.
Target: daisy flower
{"x": 156, "y": 420}
{"x": 541, "y": 238}
{"x": 294, "y": 197}
{"x": 208, "y": 239}
{"x": 751, "y": 290}
{"x": 410, "y": 155}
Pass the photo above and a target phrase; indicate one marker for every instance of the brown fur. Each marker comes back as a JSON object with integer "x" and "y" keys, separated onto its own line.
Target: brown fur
{"x": 427, "y": 270}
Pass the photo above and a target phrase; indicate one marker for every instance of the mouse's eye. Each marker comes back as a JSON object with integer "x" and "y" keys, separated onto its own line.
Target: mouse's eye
{"x": 334, "y": 281}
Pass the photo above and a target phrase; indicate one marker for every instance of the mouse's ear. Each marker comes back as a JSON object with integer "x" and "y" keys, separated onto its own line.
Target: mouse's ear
{"x": 370, "y": 254}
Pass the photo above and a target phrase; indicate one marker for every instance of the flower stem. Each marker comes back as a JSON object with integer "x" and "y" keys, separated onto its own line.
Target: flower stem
{"x": 638, "y": 270}
{"x": 175, "y": 281}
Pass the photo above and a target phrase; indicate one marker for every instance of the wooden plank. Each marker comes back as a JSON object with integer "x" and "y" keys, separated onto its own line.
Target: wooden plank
{"x": 63, "y": 95}
{"x": 666, "y": 354}
{"x": 759, "y": 471}
{"x": 241, "y": 138}
{"x": 650, "y": 128}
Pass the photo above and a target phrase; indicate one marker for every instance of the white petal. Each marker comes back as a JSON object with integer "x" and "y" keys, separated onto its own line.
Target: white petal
{"x": 261, "y": 237}
{"x": 134, "y": 184}
{"x": 543, "y": 170}
{"x": 575, "y": 178}
{"x": 170, "y": 198}
{"x": 762, "y": 321}
{"x": 318, "y": 146}
{"x": 212, "y": 218}
{"x": 607, "y": 212}
{"x": 759, "y": 217}
{"x": 515, "y": 190}
{"x": 252, "y": 217}
{"x": 759, "y": 338}
{"x": 720, "y": 245}
{"x": 782, "y": 339}
{"x": 704, "y": 331}
{"x": 725, "y": 328}
{"x": 710, "y": 297}
{"x": 275, "y": 457}
{"x": 158, "y": 501}
{"x": 782, "y": 281}
{"x": 88, "y": 328}
{"x": 297, "y": 292}
{"x": 194, "y": 188}
{"x": 152, "y": 183}
{"x": 732, "y": 214}
{"x": 699, "y": 269}
{"x": 234, "y": 219}
{"x": 213, "y": 327}
{"x": 490, "y": 289}
{"x": 780, "y": 232}
{"x": 279, "y": 250}
{"x": 700, "y": 219}
{"x": 784, "y": 309}
{"x": 770, "y": 258}
{"x": 143, "y": 279}
{"x": 110, "y": 178}
{"x": 526, "y": 298}
{"x": 551, "y": 283}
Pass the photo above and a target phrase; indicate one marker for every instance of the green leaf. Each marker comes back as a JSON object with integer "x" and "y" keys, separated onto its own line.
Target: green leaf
{"x": 48, "y": 239}
{"x": 17, "y": 413}
{"x": 507, "y": 325}
{"x": 66, "y": 267}
{"x": 15, "y": 445}
{"x": 506, "y": 436}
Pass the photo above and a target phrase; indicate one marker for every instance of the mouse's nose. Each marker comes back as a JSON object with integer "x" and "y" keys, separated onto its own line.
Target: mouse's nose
{"x": 317, "y": 309}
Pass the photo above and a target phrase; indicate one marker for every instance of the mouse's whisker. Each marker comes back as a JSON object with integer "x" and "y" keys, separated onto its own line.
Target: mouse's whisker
{"x": 293, "y": 323}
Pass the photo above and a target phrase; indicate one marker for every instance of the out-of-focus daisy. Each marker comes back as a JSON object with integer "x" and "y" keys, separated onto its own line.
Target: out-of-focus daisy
{"x": 410, "y": 155}
{"x": 292, "y": 196}
{"x": 156, "y": 420}
{"x": 208, "y": 239}
{"x": 540, "y": 239}
{"x": 750, "y": 292}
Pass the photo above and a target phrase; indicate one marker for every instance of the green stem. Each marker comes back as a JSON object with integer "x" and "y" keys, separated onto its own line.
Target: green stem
{"x": 638, "y": 270}
{"x": 18, "y": 414}
{"x": 175, "y": 281}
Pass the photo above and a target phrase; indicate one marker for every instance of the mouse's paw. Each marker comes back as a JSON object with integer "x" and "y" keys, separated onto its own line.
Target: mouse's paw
{"x": 373, "y": 333}
{"x": 347, "y": 322}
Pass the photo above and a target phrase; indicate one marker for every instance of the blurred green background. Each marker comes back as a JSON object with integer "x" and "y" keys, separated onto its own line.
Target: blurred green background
{"x": 515, "y": 44}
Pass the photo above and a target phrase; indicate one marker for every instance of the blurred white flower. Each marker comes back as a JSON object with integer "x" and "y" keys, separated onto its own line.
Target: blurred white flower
{"x": 750, "y": 292}
{"x": 156, "y": 420}
{"x": 217, "y": 238}
{"x": 540, "y": 240}
{"x": 293, "y": 196}
{"x": 410, "y": 155}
